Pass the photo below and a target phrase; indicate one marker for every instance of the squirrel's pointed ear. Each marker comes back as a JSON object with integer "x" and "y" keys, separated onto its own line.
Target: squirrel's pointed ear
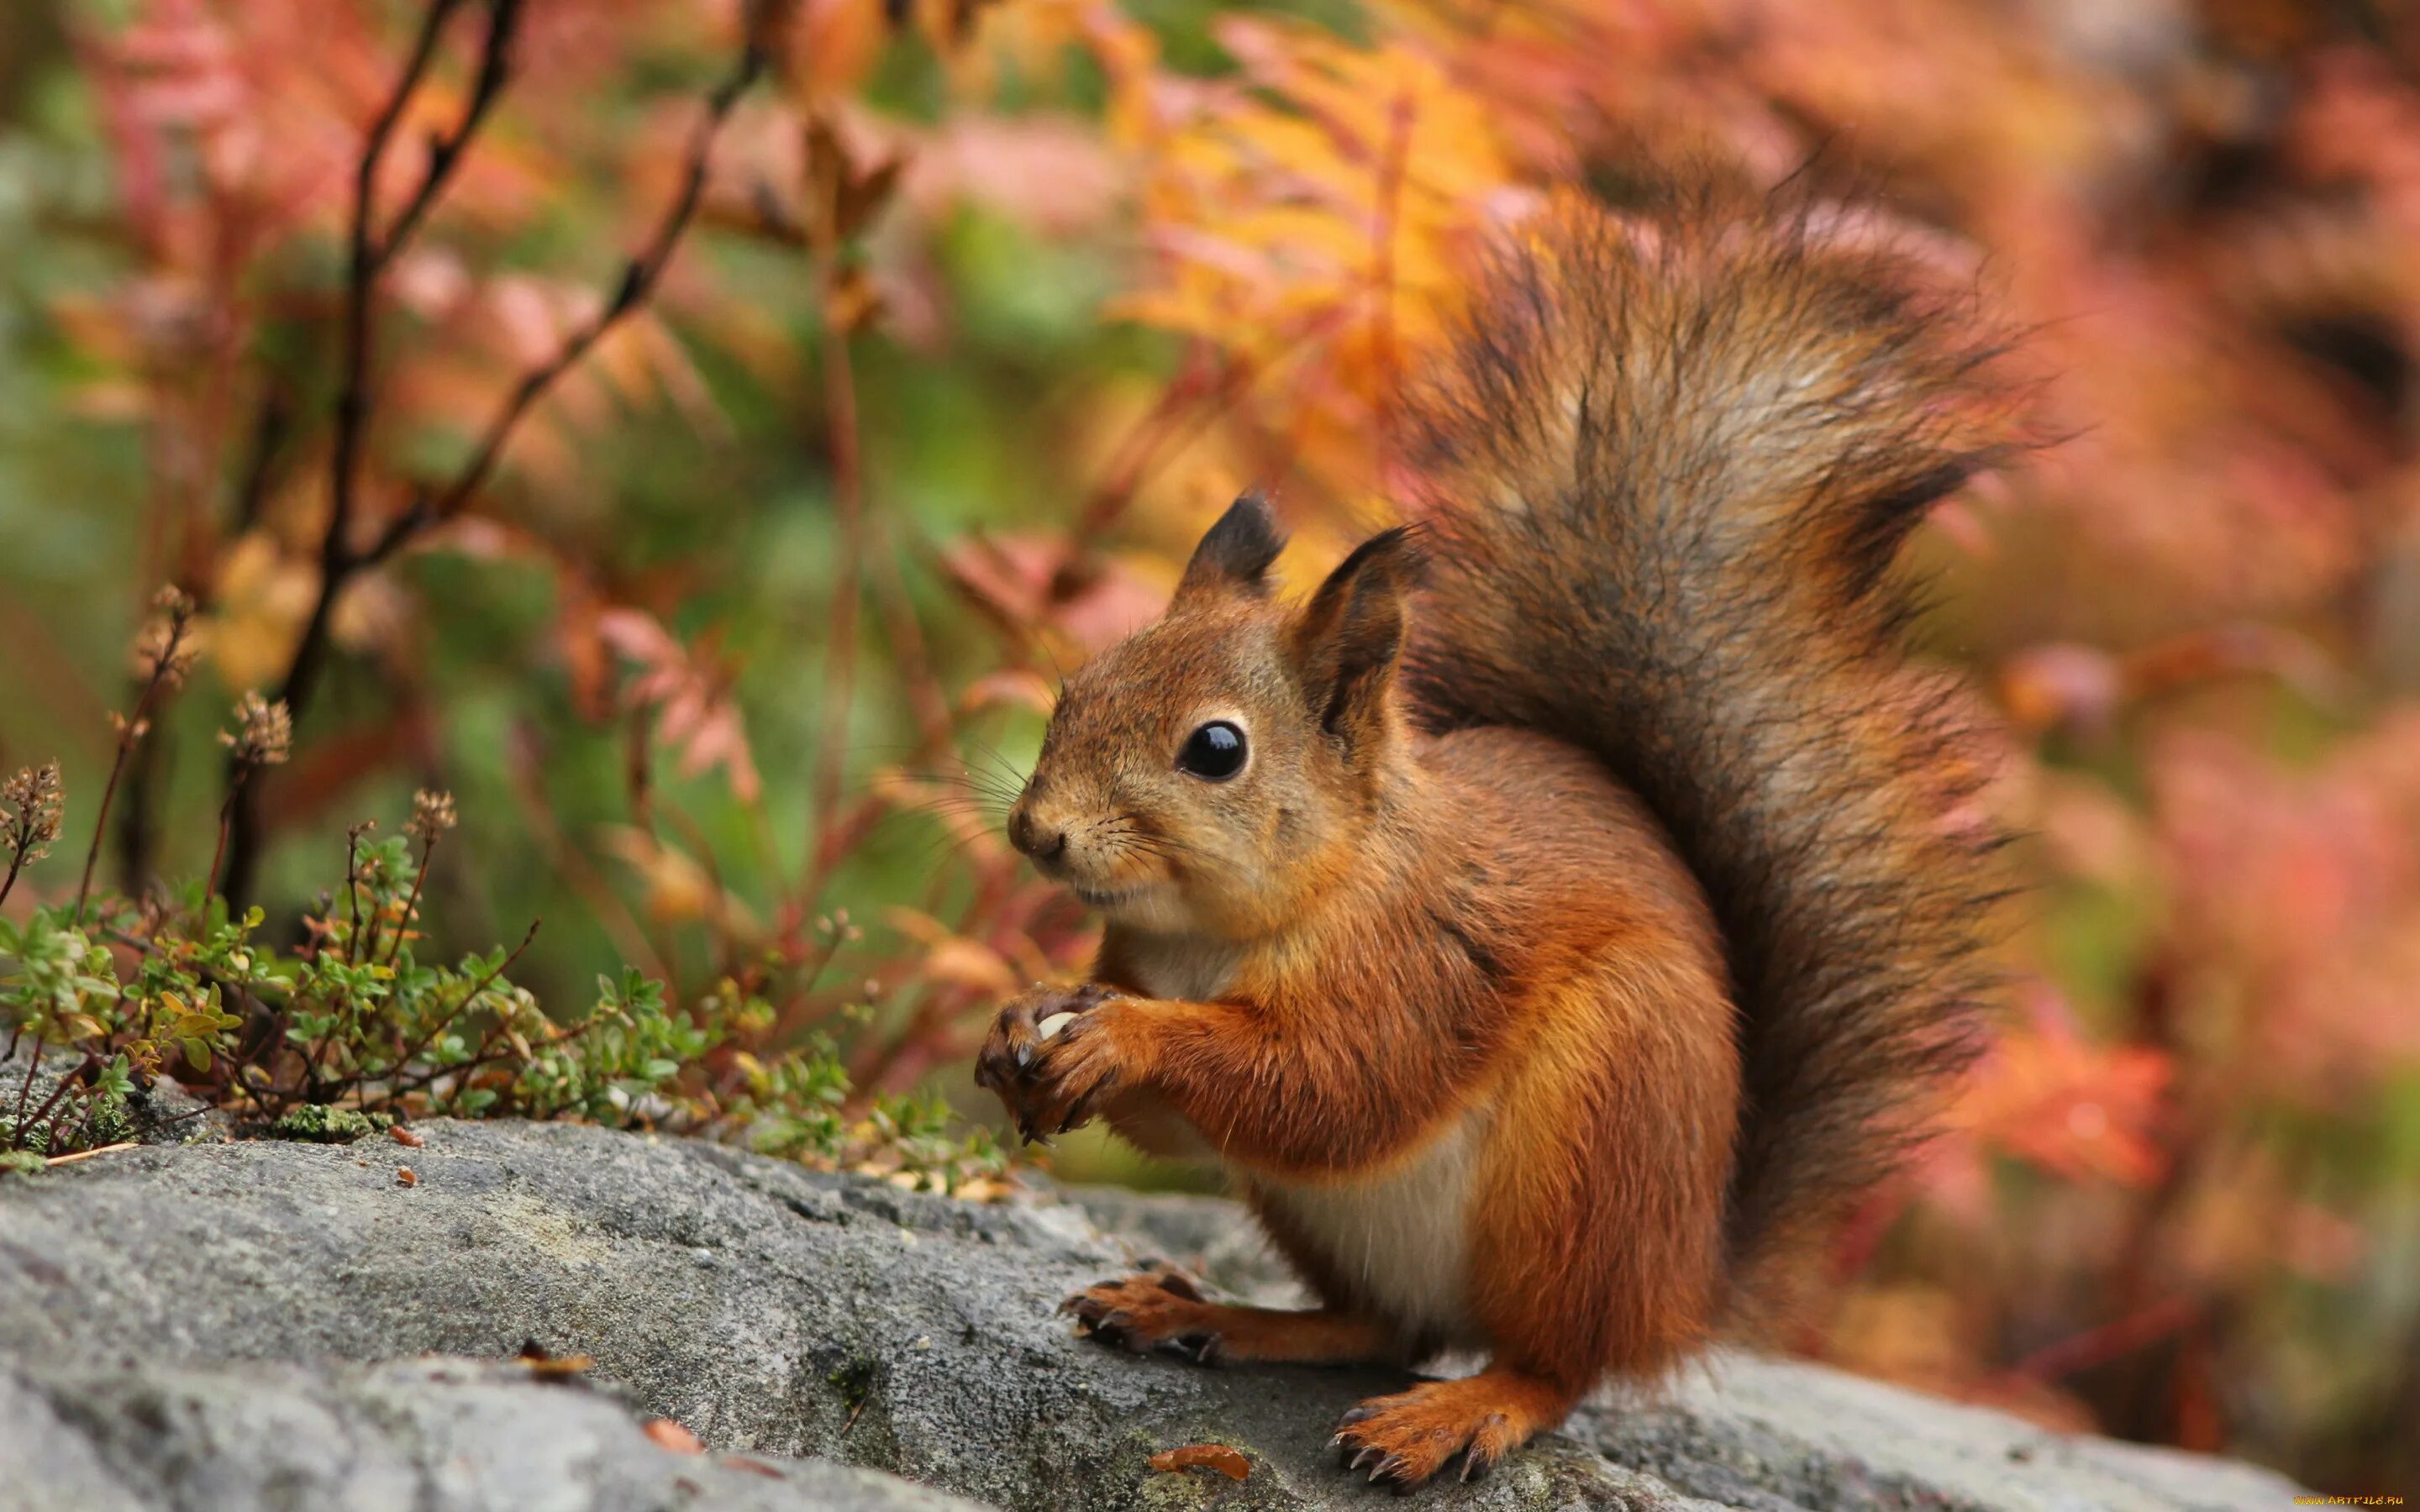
{"x": 1347, "y": 639}
{"x": 1236, "y": 552}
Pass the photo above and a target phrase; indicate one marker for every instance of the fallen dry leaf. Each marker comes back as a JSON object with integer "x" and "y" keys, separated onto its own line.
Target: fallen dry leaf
{"x": 548, "y": 1365}
{"x": 671, "y": 1435}
{"x": 1227, "y": 1460}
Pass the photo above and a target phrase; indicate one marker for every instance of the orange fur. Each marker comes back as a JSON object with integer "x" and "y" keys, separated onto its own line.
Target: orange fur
{"x": 1143, "y": 1312}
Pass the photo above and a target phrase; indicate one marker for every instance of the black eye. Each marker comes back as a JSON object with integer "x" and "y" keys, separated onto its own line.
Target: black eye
{"x": 1216, "y": 751}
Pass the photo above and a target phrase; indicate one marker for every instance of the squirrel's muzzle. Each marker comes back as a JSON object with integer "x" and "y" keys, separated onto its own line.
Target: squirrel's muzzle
{"x": 1045, "y": 844}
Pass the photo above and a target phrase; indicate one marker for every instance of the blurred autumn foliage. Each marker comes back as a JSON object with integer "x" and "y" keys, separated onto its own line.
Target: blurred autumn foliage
{"x": 696, "y": 436}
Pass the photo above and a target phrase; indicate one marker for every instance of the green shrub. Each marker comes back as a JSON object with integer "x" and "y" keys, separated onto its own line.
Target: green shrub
{"x": 352, "y": 1031}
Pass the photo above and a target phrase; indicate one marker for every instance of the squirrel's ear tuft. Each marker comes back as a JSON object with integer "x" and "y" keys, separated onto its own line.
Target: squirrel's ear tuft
{"x": 1236, "y": 552}
{"x": 1347, "y": 637}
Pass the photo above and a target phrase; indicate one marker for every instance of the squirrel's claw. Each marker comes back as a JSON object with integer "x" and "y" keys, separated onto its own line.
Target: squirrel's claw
{"x": 1201, "y": 1348}
{"x": 1047, "y": 1090}
{"x": 1414, "y": 1435}
{"x": 1157, "y": 1310}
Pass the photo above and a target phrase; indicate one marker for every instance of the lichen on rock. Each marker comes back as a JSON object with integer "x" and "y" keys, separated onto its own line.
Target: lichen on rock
{"x": 320, "y": 1124}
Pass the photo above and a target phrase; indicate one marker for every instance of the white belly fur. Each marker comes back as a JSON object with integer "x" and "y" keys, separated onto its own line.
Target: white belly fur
{"x": 1396, "y": 1234}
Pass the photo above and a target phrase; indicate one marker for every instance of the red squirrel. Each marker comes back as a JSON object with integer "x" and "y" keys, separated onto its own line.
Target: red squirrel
{"x": 1557, "y": 920}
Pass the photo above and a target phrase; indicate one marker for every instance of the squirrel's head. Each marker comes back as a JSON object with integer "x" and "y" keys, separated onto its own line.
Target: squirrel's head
{"x": 1210, "y": 773}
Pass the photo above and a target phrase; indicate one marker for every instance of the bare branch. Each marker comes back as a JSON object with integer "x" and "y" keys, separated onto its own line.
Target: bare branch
{"x": 495, "y": 69}
{"x": 369, "y": 255}
{"x": 638, "y": 280}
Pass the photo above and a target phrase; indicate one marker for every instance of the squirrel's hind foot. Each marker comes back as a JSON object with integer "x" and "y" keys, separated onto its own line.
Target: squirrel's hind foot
{"x": 1408, "y": 1438}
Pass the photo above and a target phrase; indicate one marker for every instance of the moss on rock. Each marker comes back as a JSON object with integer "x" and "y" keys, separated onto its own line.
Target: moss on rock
{"x": 313, "y": 1123}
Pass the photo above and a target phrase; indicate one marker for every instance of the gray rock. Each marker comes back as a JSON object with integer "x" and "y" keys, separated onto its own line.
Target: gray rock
{"x": 139, "y": 1434}
{"x": 779, "y": 1313}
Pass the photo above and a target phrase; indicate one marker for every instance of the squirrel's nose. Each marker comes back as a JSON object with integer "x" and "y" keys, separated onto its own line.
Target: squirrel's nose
{"x": 1044, "y": 843}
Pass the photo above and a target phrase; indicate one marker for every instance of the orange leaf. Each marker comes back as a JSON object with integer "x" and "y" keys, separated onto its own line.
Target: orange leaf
{"x": 1227, "y": 1462}
{"x": 671, "y": 1435}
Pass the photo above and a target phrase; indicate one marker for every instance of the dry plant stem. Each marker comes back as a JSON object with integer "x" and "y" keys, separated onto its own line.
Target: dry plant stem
{"x": 339, "y": 562}
{"x": 354, "y": 955}
{"x": 87, "y": 1154}
{"x": 2112, "y": 1340}
{"x": 353, "y": 892}
{"x": 412, "y": 904}
{"x": 495, "y": 69}
{"x": 639, "y": 279}
{"x": 908, "y": 643}
{"x": 839, "y": 662}
{"x": 135, "y": 818}
{"x": 108, "y": 793}
{"x": 369, "y": 256}
{"x": 270, "y": 426}
{"x": 25, "y": 1089}
{"x": 67, "y": 1084}
{"x": 126, "y": 739}
{"x": 83, "y": 1125}
{"x": 227, "y": 822}
{"x": 456, "y": 1013}
{"x": 612, "y": 913}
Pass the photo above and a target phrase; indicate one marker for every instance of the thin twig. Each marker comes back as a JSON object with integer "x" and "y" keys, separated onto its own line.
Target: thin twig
{"x": 268, "y": 432}
{"x": 67, "y": 1084}
{"x": 495, "y": 69}
{"x": 403, "y": 925}
{"x": 226, "y": 823}
{"x": 26, "y": 1088}
{"x": 163, "y": 668}
{"x": 640, "y": 276}
{"x": 612, "y": 915}
{"x": 367, "y": 254}
{"x": 353, "y": 892}
{"x": 456, "y": 1013}
{"x": 87, "y": 1154}
{"x": 840, "y": 657}
{"x": 2099, "y": 1344}
{"x": 339, "y": 562}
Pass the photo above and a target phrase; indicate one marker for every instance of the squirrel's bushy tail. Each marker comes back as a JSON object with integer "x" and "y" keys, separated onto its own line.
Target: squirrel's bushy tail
{"x": 1664, "y": 480}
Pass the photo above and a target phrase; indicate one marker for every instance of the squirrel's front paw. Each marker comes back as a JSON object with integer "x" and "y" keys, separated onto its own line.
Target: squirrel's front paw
{"x": 1161, "y": 1307}
{"x": 1048, "y": 1058}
